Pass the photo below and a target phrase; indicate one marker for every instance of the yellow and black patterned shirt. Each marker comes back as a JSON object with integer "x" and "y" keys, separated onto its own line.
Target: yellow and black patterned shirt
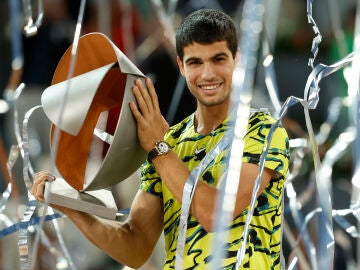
{"x": 263, "y": 244}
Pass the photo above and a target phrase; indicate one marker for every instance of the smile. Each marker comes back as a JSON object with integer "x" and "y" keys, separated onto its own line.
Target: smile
{"x": 210, "y": 87}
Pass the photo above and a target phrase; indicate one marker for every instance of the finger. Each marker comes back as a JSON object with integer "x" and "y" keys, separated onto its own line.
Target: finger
{"x": 152, "y": 94}
{"x": 144, "y": 91}
{"x": 43, "y": 176}
{"x": 135, "y": 111}
{"x": 38, "y": 178}
{"x": 38, "y": 187}
{"x": 141, "y": 103}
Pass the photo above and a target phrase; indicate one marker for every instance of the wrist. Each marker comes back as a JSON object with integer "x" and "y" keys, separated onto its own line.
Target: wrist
{"x": 160, "y": 148}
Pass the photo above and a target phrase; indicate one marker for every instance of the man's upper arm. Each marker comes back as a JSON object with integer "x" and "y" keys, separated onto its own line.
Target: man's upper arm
{"x": 146, "y": 217}
{"x": 276, "y": 160}
{"x": 277, "y": 156}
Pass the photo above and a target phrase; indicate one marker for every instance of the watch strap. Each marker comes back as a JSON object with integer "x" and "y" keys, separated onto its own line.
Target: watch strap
{"x": 153, "y": 153}
{"x": 156, "y": 151}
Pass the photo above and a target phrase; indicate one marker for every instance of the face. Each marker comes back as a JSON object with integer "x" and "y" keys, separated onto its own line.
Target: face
{"x": 208, "y": 71}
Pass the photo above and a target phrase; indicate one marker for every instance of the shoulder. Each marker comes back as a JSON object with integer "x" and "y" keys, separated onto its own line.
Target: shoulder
{"x": 260, "y": 116}
{"x": 261, "y": 124}
{"x": 263, "y": 129}
{"x": 262, "y": 119}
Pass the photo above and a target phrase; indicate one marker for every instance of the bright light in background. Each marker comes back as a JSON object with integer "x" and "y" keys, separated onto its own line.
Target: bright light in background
{"x": 4, "y": 107}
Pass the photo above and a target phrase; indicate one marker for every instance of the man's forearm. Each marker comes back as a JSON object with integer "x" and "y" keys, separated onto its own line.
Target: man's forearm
{"x": 115, "y": 238}
{"x": 174, "y": 174}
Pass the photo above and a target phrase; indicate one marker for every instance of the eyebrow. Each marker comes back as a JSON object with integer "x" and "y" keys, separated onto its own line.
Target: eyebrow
{"x": 193, "y": 58}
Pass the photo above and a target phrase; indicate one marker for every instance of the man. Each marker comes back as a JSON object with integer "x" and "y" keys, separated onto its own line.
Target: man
{"x": 207, "y": 54}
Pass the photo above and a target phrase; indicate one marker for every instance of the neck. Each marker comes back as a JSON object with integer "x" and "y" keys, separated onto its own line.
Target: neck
{"x": 209, "y": 118}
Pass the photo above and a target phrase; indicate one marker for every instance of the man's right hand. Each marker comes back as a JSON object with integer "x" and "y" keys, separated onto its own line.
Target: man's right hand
{"x": 38, "y": 188}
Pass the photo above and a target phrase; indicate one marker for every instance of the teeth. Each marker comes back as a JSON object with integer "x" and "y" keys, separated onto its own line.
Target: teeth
{"x": 210, "y": 87}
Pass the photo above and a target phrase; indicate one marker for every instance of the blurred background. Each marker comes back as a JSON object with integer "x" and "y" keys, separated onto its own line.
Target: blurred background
{"x": 143, "y": 30}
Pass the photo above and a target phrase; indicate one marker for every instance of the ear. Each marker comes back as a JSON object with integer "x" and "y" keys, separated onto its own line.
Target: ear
{"x": 181, "y": 66}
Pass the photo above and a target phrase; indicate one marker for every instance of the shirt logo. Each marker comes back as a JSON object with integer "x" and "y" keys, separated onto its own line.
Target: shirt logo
{"x": 200, "y": 153}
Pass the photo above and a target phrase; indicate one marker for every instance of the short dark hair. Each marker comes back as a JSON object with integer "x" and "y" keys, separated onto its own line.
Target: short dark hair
{"x": 206, "y": 26}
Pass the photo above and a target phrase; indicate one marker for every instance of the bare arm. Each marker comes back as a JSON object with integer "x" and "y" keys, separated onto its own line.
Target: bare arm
{"x": 130, "y": 242}
{"x": 203, "y": 206}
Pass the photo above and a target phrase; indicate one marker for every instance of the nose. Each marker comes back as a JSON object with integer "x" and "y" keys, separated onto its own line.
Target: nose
{"x": 208, "y": 71}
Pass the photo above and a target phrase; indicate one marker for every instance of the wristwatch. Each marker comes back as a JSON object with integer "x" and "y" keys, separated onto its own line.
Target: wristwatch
{"x": 161, "y": 148}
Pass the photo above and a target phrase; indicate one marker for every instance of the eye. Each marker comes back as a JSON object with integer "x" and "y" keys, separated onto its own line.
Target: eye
{"x": 194, "y": 62}
{"x": 219, "y": 59}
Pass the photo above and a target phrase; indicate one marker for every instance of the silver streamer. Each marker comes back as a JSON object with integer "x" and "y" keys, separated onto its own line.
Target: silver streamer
{"x": 354, "y": 114}
{"x": 297, "y": 155}
{"x": 103, "y": 135}
{"x": 298, "y": 218}
{"x": 354, "y": 96}
{"x": 325, "y": 246}
{"x": 74, "y": 50}
{"x": 17, "y": 133}
{"x": 289, "y": 102}
{"x": 23, "y": 244}
{"x": 297, "y": 147}
{"x": 31, "y": 205}
{"x": 25, "y": 223}
{"x": 339, "y": 218}
{"x": 62, "y": 261}
{"x": 333, "y": 113}
{"x": 311, "y": 100}
{"x": 270, "y": 81}
{"x": 62, "y": 108}
{"x": 332, "y": 155}
{"x": 188, "y": 193}
{"x": 295, "y": 204}
{"x": 13, "y": 155}
{"x": 30, "y": 208}
{"x": 31, "y": 27}
{"x": 317, "y": 39}
{"x": 336, "y": 151}
{"x": 27, "y": 179}
{"x": 20, "y": 142}
{"x": 241, "y": 252}
{"x": 251, "y": 27}
{"x": 296, "y": 254}
{"x": 302, "y": 230}
{"x": 27, "y": 167}
{"x": 23, "y": 146}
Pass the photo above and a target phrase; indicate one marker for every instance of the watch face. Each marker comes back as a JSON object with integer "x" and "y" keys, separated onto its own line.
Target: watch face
{"x": 163, "y": 147}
